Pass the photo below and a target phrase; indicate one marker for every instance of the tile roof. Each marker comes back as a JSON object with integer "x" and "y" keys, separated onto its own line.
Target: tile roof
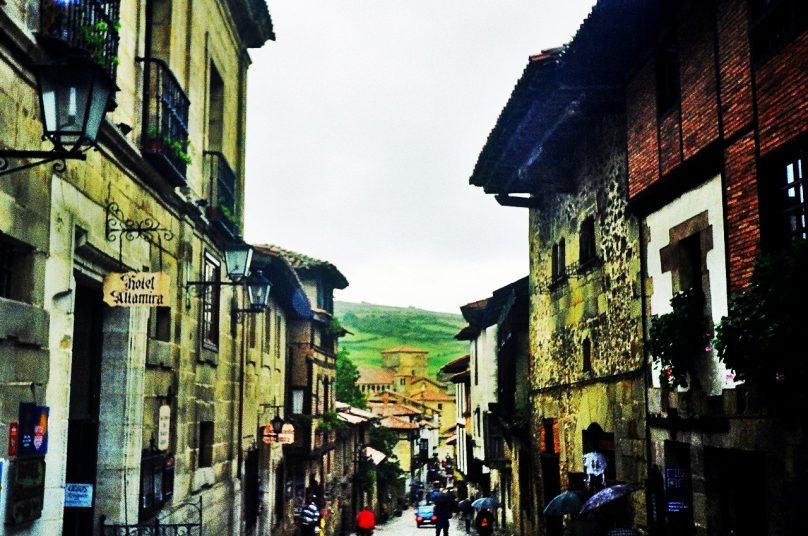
{"x": 304, "y": 263}
{"x": 387, "y": 410}
{"x": 405, "y": 350}
{"x": 457, "y": 365}
{"x": 397, "y": 424}
{"x": 374, "y": 376}
{"x": 431, "y": 396}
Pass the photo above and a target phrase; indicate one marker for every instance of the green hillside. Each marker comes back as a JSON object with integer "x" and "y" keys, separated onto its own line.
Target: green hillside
{"x": 379, "y": 327}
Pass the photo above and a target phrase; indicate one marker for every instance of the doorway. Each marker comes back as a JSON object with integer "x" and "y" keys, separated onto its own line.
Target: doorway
{"x": 83, "y": 416}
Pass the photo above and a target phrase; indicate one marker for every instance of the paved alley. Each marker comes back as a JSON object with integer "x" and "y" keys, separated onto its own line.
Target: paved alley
{"x": 405, "y": 526}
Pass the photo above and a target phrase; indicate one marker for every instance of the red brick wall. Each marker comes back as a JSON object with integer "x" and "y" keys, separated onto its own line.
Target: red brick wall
{"x": 734, "y": 57}
{"x": 742, "y": 218}
{"x": 782, "y": 94}
{"x": 670, "y": 143}
{"x": 699, "y": 100}
{"x": 641, "y": 119}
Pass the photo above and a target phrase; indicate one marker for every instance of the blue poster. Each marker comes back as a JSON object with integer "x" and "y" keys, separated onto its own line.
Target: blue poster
{"x": 33, "y": 429}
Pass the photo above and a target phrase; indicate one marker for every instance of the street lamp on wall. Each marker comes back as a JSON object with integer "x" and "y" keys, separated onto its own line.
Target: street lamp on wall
{"x": 73, "y": 98}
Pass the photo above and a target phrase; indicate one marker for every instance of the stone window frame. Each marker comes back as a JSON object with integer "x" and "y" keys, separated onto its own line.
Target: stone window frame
{"x": 211, "y": 302}
{"x": 205, "y": 445}
{"x": 558, "y": 266}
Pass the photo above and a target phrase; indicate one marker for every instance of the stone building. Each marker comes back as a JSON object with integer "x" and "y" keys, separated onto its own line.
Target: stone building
{"x": 561, "y": 153}
{"x": 310, "y": 403}
{"x": 137, "y": 408}
{"x": 406, "y": 359}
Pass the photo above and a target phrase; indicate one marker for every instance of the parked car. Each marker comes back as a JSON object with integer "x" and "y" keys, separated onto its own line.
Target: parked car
{"x": 425, "y": 515}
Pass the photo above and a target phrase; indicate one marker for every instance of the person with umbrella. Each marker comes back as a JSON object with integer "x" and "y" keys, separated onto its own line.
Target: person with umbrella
{"x": 443, "y": 512}
{"x": 467, "y": 511}
{"x": 484, "y": 522}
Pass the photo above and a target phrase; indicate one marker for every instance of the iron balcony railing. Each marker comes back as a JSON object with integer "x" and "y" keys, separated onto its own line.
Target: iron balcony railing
{"x": 191, "y": 525}
{"x": 88, "y": 25}
{"x": 223, "y": 200}
{"x": 165, "y": 121}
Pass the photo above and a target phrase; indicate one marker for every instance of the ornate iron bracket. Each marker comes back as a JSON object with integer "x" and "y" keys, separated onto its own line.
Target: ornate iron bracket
{"x": 57, "y": 157}
{"x": 118, "y": 226}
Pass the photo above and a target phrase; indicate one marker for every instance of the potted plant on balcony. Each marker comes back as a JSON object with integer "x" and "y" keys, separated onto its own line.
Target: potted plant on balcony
{"x": 679, "y": 339}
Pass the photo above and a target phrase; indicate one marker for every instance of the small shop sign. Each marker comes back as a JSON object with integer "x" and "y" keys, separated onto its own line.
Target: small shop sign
{"x": 33, "y": 429}
{"x": 78, "y": 495}
{"x": 164, "y": 427}
{"x": 136, "y": 289}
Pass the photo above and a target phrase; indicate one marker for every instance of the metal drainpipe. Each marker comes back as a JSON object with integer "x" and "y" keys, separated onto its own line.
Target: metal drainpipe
{"x": 242, "y": 359}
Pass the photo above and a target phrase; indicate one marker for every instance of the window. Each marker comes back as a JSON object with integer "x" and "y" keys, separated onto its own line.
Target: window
{"x": 586, "y": 241}
{"x": 156, "y": 482}
{"x": 587, "y": 355}
{"x": 667, "y": 77}
{"x": 440, "y": 406}
{"x": 794, "y": 207}
{"x": 297, "y": 401}
{"x": 211, "y": 272}
{"x": 559, "y": 262}
{"x": 774, "y": 23}
{"x": 205, "y": 444}
{"x": 215, "y": 109}
{"x": 160, "y": 323}
{"x": 14, "y": 267}
{"x": 402, "y": 381}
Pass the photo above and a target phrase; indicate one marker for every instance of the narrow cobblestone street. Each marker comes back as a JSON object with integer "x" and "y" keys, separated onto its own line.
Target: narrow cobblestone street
{"x": 405, "y": 526}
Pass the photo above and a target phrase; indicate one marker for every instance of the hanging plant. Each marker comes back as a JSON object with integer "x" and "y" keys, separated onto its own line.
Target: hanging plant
{"x": 678, "y": 340}
{"x": 330, "y": 422}
{"x": 760, "y": 337}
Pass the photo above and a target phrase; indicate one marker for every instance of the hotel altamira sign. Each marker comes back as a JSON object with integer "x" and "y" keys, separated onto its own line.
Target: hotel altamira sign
{"x": 136, "y": 289}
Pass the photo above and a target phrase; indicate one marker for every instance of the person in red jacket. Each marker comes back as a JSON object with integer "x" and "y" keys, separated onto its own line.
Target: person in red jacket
{"x": 365, "y": 522}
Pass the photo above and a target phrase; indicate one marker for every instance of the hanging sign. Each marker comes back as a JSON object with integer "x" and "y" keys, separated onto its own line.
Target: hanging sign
{"x": 286, "y": 437}
{"x": 677, "y": 489}
{"x": 13, "y": 431}
{"x": 163, "y": 427}
{"x": 136, "y": 289}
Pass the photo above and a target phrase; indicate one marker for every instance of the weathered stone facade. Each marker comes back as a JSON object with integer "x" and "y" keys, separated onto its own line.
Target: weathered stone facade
{"x": 105, "y": 372}
{"x": 586, "y": 324}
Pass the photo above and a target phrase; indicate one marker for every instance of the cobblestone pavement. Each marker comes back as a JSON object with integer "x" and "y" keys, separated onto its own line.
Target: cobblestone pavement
{"x": 405, "y": 526}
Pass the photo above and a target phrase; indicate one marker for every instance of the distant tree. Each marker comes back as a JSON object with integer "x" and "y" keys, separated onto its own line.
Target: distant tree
{"x": 347, "y": 375}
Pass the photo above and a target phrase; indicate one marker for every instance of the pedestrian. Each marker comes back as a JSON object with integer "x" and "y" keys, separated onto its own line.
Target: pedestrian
{"x": 484, "y": 522}
{"x": 345, "y": 522}
{"x": 365, "y": 522}
{"x": 310, "y": 518}
{"x": 467, "y": 511}
{"x": 442, "y": 513}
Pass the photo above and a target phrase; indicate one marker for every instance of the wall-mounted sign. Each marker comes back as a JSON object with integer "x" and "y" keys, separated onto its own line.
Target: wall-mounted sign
{"x": 78, "y": 495}
{"x": 13, "y": 437}
{"x": 27, "y": 490}
{"x": 163, "y": 427}
{"x": 677, "y": 489}
{"x": 136, "y": 289}
{"x": 33, "y": 429}
{"x": 286, "y": 437}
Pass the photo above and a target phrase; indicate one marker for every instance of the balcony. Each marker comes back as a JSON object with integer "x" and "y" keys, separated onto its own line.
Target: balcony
{"x": 222, "y": 204}
{"x": 165, "y": 121}
{"x": 88, "y": 26}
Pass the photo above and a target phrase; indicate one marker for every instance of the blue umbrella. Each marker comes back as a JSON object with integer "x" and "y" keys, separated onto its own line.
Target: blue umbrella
{"x": 488, "y": 503}
{"x": 609, "y": 494}
{"x": 568, "y": 502}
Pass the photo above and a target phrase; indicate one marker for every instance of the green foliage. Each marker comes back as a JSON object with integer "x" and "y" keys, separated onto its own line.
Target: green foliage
{"x": 382, "y": 439}
{"x": 95, "y": 37}
{"x": 759, "y": 338}
{"x": 330, "y": 422}
{"x": 347, "y": 375}
{"x": 378, "y": 327}
{"x": 678, "y": 339}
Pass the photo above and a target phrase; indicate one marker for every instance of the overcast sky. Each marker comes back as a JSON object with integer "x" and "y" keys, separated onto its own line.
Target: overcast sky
{"x": 366, "y": 118}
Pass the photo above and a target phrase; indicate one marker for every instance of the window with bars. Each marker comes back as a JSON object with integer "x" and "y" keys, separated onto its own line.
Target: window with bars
{"x": 211, "y": 273}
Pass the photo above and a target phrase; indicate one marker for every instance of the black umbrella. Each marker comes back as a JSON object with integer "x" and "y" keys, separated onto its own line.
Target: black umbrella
{"x": 567, "y": 502}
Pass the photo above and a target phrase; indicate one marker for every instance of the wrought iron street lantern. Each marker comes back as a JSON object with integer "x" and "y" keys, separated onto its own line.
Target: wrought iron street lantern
{"x": 73, "y": 97}
{"x": 277, "y": 424}
{"x": 237, "y": 261}
{"x": 258, "y": 288}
